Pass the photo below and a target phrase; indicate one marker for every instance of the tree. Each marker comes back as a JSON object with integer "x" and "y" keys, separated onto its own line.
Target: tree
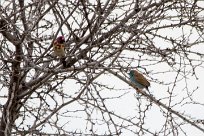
{"x": 92, "y": 95}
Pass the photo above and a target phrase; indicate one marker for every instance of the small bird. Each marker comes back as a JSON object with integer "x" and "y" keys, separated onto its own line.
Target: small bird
{"x": 139, "y": 80}
{"x": 59, "y": 49}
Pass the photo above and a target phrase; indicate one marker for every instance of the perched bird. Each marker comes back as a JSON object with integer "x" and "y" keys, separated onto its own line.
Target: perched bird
{"x": 59, "y": 50}
{"x": 139, "y": 80}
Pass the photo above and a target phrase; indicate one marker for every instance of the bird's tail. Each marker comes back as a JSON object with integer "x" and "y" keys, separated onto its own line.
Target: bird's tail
{"x": 63, "y": 61}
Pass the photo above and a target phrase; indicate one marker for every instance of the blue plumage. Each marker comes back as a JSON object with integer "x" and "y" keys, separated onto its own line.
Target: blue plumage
{"x": 138, "y": 79}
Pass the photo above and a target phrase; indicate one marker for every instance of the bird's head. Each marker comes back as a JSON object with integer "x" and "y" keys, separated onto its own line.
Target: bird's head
{"x": 131, "y": 73}
{"x": 60, "y": 39}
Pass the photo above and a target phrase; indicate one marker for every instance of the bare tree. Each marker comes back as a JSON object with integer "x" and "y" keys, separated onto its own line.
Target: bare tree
{"x": 104, "y": 40}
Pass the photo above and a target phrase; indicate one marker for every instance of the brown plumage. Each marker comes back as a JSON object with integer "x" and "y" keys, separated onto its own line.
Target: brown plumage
{"x": 59, "y": 49}
{"x": 138, "y": 79}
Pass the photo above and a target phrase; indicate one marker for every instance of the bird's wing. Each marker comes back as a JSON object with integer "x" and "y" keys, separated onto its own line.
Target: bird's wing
{"x": 141, "y": 79}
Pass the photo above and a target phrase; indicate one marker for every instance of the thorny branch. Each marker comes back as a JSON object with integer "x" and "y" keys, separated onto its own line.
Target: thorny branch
{"x": 104, "y": 40}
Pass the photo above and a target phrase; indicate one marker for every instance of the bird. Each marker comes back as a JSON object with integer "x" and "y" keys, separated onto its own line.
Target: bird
{"x": 59, "y": 49}
{"x": 138, "y": 79}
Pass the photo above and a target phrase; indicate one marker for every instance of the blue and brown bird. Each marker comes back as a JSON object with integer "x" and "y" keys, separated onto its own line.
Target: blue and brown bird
{"x": 139, "y": 80}
{"x": 59, "y": 49}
